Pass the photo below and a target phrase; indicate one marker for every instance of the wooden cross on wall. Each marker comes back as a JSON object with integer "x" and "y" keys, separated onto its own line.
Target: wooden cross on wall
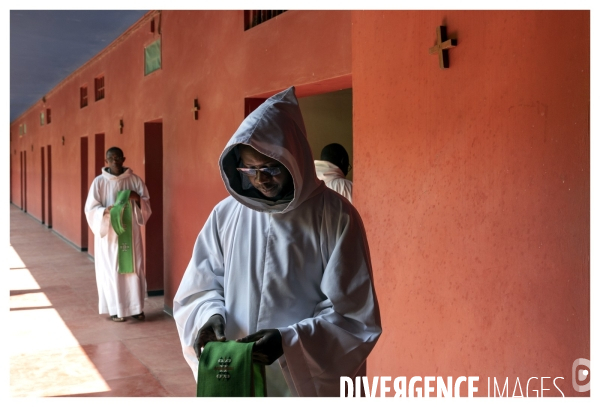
{"x": 442, "y": 46}
{"x": 195, "y": 109}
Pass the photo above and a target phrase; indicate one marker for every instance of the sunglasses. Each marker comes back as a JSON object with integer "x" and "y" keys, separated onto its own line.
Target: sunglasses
{"x": 252, "y": 172}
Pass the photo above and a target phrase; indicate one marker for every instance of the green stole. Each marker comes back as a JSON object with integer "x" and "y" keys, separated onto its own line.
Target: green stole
{"x": 121, "y": 220}
{"x": 225, "y": 369}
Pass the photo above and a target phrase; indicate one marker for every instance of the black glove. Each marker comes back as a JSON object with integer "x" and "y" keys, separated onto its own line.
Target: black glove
{"x": 267, "y": 346}
{"x": 211, "y": 331}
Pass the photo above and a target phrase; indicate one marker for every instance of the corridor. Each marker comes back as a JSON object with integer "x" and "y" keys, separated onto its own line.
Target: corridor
{"x": 58, "y": 343}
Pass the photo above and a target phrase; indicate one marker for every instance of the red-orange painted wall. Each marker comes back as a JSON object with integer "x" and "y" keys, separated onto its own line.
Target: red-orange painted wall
{"x": 473, "y": 183}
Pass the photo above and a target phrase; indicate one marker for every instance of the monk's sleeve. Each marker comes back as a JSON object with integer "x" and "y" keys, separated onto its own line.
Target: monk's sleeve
{"x": 200, "y": 294}
{"x": 345, "y": 325}
{"x": 94, "y": 211}
{"x": 143, "y": 212}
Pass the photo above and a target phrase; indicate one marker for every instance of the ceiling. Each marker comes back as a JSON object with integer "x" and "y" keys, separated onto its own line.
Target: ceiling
{"x": 46, "y": 46}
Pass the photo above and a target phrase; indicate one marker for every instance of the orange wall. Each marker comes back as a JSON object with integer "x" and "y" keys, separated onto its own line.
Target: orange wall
{"x": 473, "y": 183}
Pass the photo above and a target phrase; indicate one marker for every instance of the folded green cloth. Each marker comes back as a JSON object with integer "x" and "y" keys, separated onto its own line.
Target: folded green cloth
{"x": 121, "y": 221}
{"x": 226, "y": 370}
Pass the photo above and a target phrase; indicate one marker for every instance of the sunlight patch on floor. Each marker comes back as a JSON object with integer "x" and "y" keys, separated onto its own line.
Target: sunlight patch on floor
{"x": 54, "y": 372}
{"x": 21, "y": 279}
{"x": 14, "y": 260}
{"x": 29, "y": 300}
{"x": 45, "y": 358}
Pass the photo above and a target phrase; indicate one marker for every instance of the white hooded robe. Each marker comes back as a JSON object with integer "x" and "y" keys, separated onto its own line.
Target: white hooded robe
{"x": 118, "y": 294}
{"x": 301, "y": 266}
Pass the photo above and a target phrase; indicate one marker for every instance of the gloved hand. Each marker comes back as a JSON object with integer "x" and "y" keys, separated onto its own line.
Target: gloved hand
{"x": 211, "y": 331}
{"x": 267, "y": 346}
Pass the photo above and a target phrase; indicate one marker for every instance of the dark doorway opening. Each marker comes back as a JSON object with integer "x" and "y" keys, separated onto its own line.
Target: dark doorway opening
{"x": 251, "y": 104}
{"x": 25, "y": 181}
{"x": 49, "y": 189}
{"x": 97, "y": 158}
{"x": 43, "y": 156}
{"x": 22, "y": 203}
{"x": 99, "y": 154}
{"x": 83, "y": 170}
{"x": 153, "y": 159}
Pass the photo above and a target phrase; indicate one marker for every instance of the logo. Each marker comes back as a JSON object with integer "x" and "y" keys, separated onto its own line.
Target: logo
{"x": 580, "y": 375}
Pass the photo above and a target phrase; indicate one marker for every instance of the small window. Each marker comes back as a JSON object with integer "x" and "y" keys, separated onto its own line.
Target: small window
{"x": 20, "y": 130}
{"x": 99, "y": 87}
{"x": 83, "y": 96}
{"x": 252, "y": 18}
{"x": 48, "y": 116}
{"x": 41, "y": 118}
{"x": 152, "y": 57}
{"x": 152, "y": 26}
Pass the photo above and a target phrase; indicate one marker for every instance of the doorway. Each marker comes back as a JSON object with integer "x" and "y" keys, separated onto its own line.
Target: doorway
{"x": 153, "y": 166}
{"x": 22, "y": 203}
{"x": 43, "y": 156}
{"x": 83, "y": 171}
{"x": 97, "y": 157}
{"x": 49, "y": 188}
{"x": 328, "y": 119}
{"x": 24, "y": 183}
{"x": 99, "y": 154}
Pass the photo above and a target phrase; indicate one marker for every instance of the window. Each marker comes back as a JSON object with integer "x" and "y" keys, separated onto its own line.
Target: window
{"x": 48, "y": 116}
{"x": 152, "y": 57}
{"x": 83, "y": 96}
{"x": 253, "y": 18}
{"x": 41, "y": 118}
{"x": 99, "y": 87}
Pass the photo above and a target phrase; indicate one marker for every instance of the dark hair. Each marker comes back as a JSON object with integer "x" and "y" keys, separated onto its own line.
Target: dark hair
{"x": 115, "y": 150}
{"x": 336, "y": 154}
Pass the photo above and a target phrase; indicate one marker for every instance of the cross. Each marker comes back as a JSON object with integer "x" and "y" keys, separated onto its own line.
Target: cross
{"x": 223, "y": 369}
{"x": 124, "y": 247}
{"x": 195, "y": 109}
{"x": 442, "y": 46}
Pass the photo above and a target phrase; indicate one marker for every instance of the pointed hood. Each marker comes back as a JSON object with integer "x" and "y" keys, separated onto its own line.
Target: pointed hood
{"x": 275, "y": 129}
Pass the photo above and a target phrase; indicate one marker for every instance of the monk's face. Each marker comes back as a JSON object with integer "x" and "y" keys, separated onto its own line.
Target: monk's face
{"x": 272, "y": 187}
{"x": 115, "y": 162}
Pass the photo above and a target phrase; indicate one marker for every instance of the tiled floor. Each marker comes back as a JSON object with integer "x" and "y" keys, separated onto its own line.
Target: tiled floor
{"x": 60, "y": 345}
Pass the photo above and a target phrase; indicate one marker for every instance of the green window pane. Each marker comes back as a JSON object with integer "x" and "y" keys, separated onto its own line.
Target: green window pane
{"x": 152, "y": 57}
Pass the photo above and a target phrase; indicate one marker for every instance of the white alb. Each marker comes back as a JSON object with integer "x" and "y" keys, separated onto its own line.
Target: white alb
{"x": 118, "y": 294}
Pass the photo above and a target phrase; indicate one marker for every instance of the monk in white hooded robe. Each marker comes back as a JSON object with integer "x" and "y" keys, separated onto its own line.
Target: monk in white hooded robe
{"x": 298, "y": 265}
